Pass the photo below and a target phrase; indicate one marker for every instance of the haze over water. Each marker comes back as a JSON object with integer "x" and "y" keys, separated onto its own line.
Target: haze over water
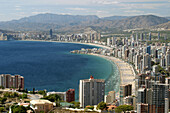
{"x": 50, "y": 66}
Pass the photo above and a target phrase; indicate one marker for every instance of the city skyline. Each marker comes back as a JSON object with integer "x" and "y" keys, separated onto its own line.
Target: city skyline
{"x": 16, "y": 9}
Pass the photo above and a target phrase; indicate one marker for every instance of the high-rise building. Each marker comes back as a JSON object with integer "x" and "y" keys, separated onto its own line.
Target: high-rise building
{"x": 141, "y": 95}
{"x": 148, "y": 50}
{"x": 145, "y": 36}
{"x": 163, "y": 61}
{"x": 108, "y": 41}
{"x": 9, "y": 81}
{"x": 141, "y": 37}
{"x": 91, "y": 91}
{"x": 158, "y": 35}
{"x": 125, "y": 90}
{"x": 142, "y": 108}
{"x": 110, "y": 97}
{"x": 113, "y": 41}
{"x": 150, "y": 36}
{"x": 146, "y": 62}
{"x": 70, "y": 95}
{"x": 158, "y": 98}
{"x": 51, "y": 33}
{"x": 137, "y": 38}
{"x": 99, "y": 36}
{"x": 167, "y": 59}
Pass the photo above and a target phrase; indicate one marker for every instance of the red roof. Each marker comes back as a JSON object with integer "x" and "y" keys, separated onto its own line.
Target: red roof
{"x": 71, "y": 90}
{"x": 91, "y": 77}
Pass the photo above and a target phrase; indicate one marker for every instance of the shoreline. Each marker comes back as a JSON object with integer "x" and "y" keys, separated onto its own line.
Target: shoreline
{"x": 91, "y": 44}
{"x": 126, "y": 72}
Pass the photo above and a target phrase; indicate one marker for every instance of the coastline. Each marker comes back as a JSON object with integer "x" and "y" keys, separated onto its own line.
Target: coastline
{"x": 91, "y": 44}
{"x": 126, "y": 72}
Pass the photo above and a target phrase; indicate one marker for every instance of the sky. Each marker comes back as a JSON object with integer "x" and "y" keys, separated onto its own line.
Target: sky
{"x": 16, "y": 9}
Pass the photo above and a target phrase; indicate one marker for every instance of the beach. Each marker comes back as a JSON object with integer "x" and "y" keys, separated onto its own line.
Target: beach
{"x": 127, "y": 75}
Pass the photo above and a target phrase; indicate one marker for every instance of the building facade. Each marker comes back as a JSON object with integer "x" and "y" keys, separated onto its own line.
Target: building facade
{"x": 91, "y": 91}
{"x": 10, "y": 81}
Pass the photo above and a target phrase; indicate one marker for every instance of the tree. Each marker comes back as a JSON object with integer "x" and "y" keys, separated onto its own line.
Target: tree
{"x": 123, "y": 108}
{"x": 75, "y": 104}
{"x": 23, "y": 96}
{"x": 2, "y": 109}
{"x": 19, "y": 109}
{"x": 33, "y": 90}
{"x": 90, "y": 107}
{"x": 101, "y": 106}
{"x": 7, "y": 94}
{"x": 3, "y": 99}
{"x": 2, "y": 87}
{"x": 42, "y": 92}
{"x": 53, "y": 97}
{"x": 26, "y": 90}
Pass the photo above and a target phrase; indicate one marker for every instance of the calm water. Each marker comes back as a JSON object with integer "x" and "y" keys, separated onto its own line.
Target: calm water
{"x": 50, "y": 66}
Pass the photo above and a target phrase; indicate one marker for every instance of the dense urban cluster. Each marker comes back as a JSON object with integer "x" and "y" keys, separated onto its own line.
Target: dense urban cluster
{"x": 144, "y": 69}
{"x": 81, "y": 37}
{"x": 149, "y": 93}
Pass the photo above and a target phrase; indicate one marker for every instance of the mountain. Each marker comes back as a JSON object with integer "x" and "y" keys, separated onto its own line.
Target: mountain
{"x": 115, "y": 17}
{"x": 164, "y": 25}
{"x": 142, "y": 21}
{"x": 56, "y": 19}
{"x": 73, "y": 23}
{"x": 5, "y": 31}
{"x": 168, "y": 18}
{"x": 46, "y": 21}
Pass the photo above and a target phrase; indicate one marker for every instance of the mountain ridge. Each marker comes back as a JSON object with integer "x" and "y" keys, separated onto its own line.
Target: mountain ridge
{"x": 44, "y": 22}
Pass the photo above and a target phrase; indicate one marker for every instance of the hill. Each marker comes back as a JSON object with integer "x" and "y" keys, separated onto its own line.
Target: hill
{"x": 115, "y": 17}
{"x": 73, "y": 23}
{"x": 164, "y": 25}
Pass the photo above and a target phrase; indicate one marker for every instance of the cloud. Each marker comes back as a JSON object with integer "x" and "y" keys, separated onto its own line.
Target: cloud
{"x": 65, "y": 13}
{"x": 134, "y": 11}
{"x": 106, "y": 2}
{"x": 100, "y": 8}
{"x": 77, "y": 9}
{"x": 40, "y": 12}
{"x": 17, "y": 6}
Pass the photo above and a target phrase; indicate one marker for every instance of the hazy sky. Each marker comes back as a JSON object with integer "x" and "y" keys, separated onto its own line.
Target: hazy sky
{"x": 15, "y": 9}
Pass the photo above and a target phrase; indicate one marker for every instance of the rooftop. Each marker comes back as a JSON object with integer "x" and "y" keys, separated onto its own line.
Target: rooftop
{"x": 40, "y": 102}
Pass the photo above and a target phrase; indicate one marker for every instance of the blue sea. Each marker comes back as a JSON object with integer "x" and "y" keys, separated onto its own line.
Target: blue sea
{"x": 51, "y": 66}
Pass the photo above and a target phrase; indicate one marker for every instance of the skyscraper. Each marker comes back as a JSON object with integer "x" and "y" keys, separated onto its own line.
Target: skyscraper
{"x": 137, "y": 37}
{"x": 159, "y": 94}
{"x": 167, "y": 59}
{"x": 148, "y": 50}
{"x": 141, "y": 36}
{"x": 8, "y": 81}
{"x": 150, "y": 36}
{"x": 91, "y": 91}
{"x": 108, "y": 41}
{"x": 51, "y": 33}
{"x": 158, "y": 35}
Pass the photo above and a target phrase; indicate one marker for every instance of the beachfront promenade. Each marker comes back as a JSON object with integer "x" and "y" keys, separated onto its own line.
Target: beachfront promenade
{"x": 127, "y": 74}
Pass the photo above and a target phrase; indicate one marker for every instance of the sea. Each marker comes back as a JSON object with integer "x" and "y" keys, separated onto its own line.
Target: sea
{"x": 50, "y": 65}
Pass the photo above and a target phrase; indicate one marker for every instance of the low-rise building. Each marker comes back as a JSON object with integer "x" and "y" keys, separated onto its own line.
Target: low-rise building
{"x": 41, "y": 106}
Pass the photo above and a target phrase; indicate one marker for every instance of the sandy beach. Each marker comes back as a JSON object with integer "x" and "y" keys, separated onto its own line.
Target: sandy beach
{"x": 127, "y": 74}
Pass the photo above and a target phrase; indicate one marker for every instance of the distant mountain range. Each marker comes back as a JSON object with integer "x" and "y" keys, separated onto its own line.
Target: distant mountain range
{"x": 164, "y": 25}
{"x": 73, "y": 23}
